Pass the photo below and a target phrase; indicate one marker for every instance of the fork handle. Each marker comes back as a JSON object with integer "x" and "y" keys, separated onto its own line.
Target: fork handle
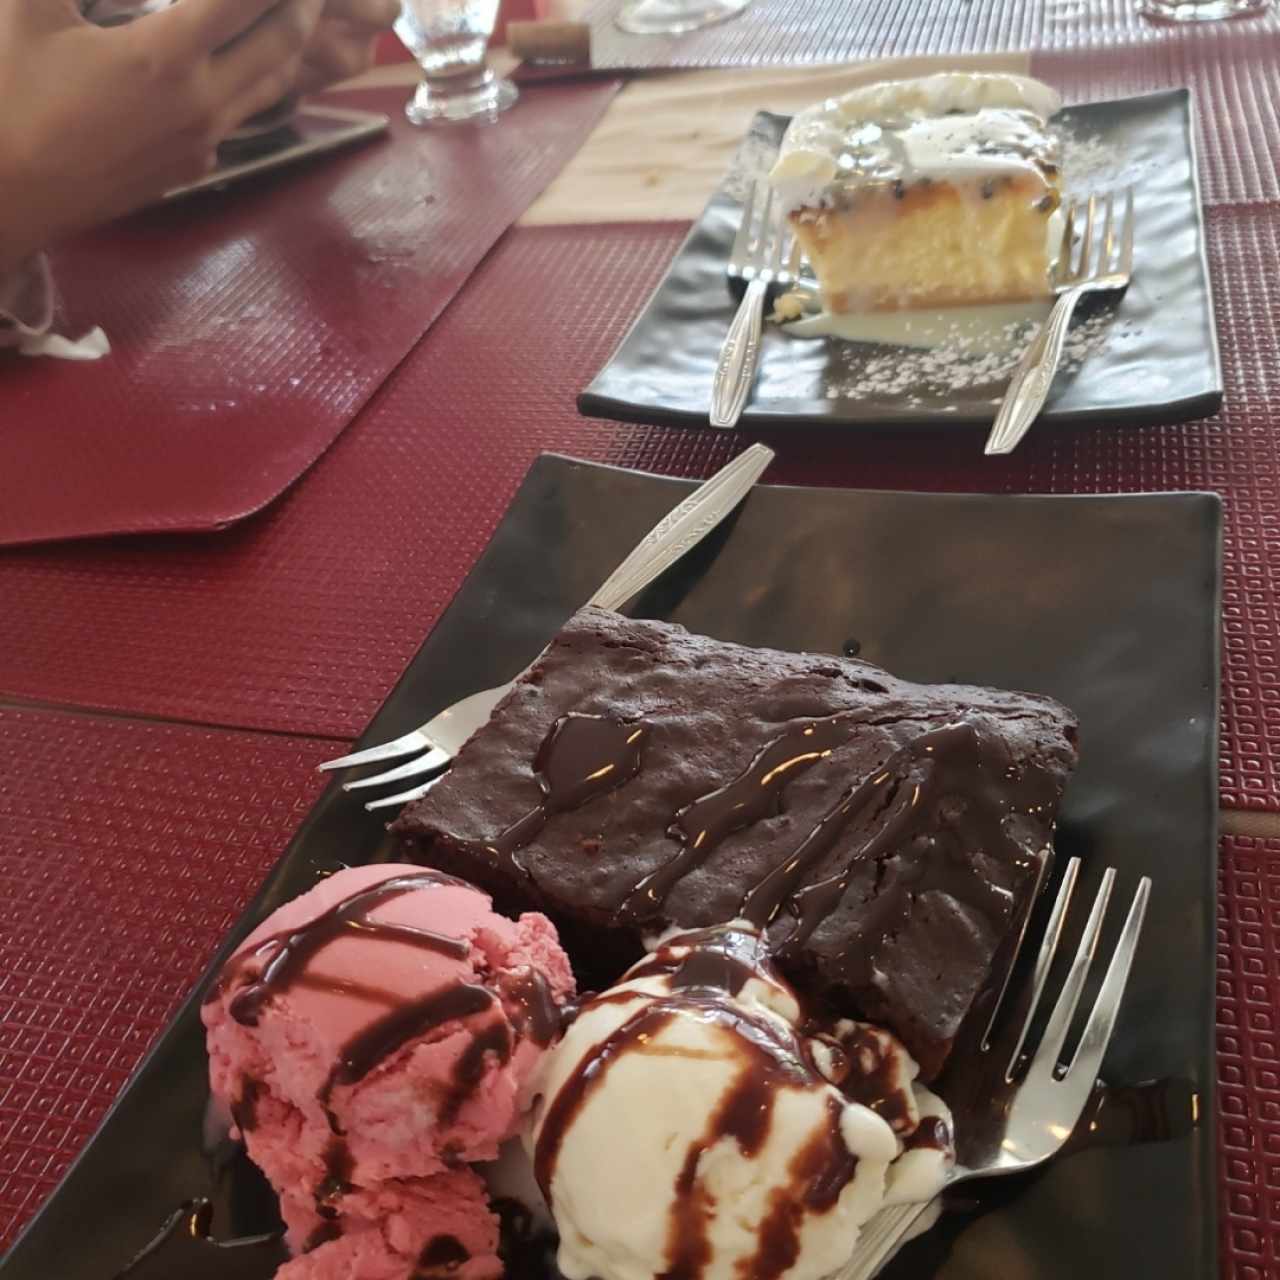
{"x": 683, "y": 527}
{"x": 1029, "y": 386}
{"x": 736, "y": 369}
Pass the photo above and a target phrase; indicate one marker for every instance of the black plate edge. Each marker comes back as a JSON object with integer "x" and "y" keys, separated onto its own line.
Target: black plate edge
{"x": 1193, "y": 136}
{"x": 762, "y": 422}
{"x": 592, "y": 404}
{"x": 1207, "y": 1126}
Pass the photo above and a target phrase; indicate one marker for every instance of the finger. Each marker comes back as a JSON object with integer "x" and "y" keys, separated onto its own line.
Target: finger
{"x": 264, "y": 96}
{"x": 334, "y": 54}
{"x": 203, "y": 26}
{"x": 377, "y": 15}
{"x": 278, "y": 40}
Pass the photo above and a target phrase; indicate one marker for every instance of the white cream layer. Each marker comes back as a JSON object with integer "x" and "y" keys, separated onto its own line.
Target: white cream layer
{"x": 949, "y": 126}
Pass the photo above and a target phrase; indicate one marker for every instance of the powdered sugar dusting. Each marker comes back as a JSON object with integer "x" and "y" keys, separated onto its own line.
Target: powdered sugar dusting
{"x": 864, "y": 372}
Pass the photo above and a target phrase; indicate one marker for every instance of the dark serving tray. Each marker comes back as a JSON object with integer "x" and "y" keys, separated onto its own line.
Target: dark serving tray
{"x": 1159, "y": 362}
{"x": 1110, "y": 604}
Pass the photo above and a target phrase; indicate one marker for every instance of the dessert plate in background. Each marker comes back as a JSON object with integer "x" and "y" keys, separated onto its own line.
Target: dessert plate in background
{"x": 1110, "y": 604}
{"x": 1151, "y": 358}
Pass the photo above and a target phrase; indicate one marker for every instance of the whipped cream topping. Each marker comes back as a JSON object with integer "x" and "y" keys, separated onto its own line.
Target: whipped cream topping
{"x": 953, "y": 126}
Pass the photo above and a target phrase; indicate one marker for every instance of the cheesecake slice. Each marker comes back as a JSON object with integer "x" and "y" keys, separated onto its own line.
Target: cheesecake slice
{"x": 926, "y": 193}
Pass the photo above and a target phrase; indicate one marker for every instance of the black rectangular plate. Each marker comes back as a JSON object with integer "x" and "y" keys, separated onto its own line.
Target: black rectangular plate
{"x": 1159, "y": 364}
{"x": 1110, "y": 604}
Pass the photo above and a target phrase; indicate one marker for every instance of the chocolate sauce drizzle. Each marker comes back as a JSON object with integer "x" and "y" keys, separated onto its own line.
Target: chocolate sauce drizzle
{"x": 441, "y": 1256}
{"x": 185, "y": 1245}
{"x": 753, "y": 795}
{"x": 716, "y": 959}
{"x": 706, "y": 969}
{"x": 582, "y": 758}
{"x": 770, "y": 1058}
{"x": 289, "y": 952}
{"x": 953, "y": 777}
{"x": 244, "y": 1110}
{"x": 532, "y": 1006}
{"x": 932, "y": 1133}
{"x": 872, "y": 1077}
{"x": 950, "y": 779}
{"x": 383, "y": 1037}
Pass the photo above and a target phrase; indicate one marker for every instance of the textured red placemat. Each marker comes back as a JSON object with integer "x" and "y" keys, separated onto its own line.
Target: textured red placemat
{"x": 127, "y": 850}
{"x": 301, "y": 620}
{"x": 785, "y": 32}
{"x": 1249, "y": 1058}
{"x": 1233, "y": 73}
{"x": 249, "y": 326}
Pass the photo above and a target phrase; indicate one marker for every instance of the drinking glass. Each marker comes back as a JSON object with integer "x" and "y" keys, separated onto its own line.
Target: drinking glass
{"x": 1201, "y": 10}
{"x": 450, "y": 40}
{"x": 672, "y": 17}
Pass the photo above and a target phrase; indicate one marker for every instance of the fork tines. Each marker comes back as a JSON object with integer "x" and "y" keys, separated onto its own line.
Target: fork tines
{"x": 760, "y": 242}
{"x": 1114, "y": 252}
{"x": 1046, "y": 1066}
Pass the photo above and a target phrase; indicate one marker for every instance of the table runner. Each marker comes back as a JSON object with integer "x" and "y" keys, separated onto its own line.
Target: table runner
{"x": 301, "y": 621}
{"x": 206, "y": 410}
{"x": 1248, "y": 1058}
{"x": 127, "y": 849}
{"x": 782, "y": 32}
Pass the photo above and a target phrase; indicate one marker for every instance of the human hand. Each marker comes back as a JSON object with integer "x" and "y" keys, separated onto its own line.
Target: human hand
{"x": 344, "y": 40}
{"x": 98, "y": 121}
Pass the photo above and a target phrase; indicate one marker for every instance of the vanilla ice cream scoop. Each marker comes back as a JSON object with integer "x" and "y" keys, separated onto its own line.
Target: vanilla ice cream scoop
{"x": 687, "y": 1125}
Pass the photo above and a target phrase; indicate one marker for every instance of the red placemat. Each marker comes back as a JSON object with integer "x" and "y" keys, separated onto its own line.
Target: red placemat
{"x": 302, "y": 620}
{"x": 249, "y": 326}
{"x": 794, "y": 32}
{"x": 1249, "y": 1058}
{"x": 127, "y": 850}
{"x": 1233, "y": 72}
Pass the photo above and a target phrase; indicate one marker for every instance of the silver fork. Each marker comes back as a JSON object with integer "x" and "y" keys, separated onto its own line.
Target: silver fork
{"x": 677, "y": 532}
{"x": 756, "y": 257}
{"x": 1010, "y": 1117}
{"x": 1110, "y": 271}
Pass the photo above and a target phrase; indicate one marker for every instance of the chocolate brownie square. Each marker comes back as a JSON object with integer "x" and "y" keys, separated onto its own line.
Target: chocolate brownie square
{"x": 887, "y": 835}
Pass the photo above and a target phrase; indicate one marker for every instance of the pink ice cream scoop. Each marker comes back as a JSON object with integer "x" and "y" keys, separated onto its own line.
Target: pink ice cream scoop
{"x": 372, "y": 1038}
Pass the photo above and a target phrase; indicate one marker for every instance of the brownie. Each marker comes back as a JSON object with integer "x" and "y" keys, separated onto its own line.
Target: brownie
{"x": 888, "y": 835}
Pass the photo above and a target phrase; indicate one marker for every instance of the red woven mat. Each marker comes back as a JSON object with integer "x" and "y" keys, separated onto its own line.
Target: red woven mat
{"x": 127, "y": 850}
{"x": 789, "y": 32}
{"x": 1233, "y": 72}
{"x": 1249, "y": 1058}
{"x": 207, "y": 409}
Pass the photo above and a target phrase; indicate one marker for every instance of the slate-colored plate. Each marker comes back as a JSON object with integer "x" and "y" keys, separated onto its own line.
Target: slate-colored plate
{"x": 1109, "y": 603}
{"x": 1159, "y": 362}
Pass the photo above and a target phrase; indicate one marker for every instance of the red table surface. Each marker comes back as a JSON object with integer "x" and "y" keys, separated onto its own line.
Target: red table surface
{"x": 301, "y": 620}
{"x": 127, "y": 851}
{"x": 207, "y": 408}
{"x": 792, "y": 32}
{"x": 107, "y": 918}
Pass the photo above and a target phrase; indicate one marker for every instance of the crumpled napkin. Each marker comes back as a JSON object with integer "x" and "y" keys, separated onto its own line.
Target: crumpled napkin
{"x": 26, "y": 318}
{"x": 93, "y": 346}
